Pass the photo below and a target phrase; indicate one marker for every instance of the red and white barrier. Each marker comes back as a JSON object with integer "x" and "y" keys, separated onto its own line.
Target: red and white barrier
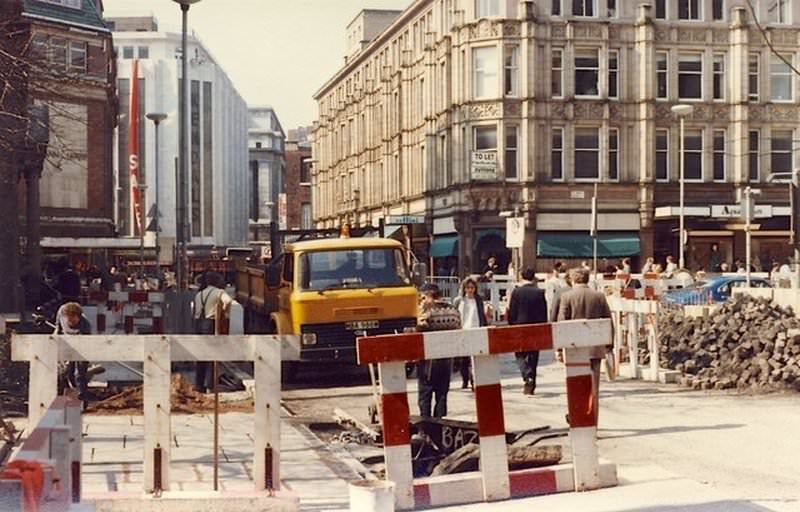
{"x": 494, "y": 482}
{"x": 136, "y": 312}
{"x": 46, "y": 470}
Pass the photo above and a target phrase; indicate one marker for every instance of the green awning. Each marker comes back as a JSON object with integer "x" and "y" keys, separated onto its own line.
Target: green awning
{"x": 580, "y": 245}
{"x": 444, "y": 246}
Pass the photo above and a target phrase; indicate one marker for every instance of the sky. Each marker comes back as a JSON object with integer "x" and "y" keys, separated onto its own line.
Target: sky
{"x": 277, "y": 52}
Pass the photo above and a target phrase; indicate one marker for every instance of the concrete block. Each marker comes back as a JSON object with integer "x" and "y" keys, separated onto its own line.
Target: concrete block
{"x": 196, "y": 501}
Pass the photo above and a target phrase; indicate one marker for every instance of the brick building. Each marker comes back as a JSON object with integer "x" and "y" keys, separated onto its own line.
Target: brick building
{"x": 74, "y": 75}
{"x": 298, "y": 182}
{"x": 459, "y": 111}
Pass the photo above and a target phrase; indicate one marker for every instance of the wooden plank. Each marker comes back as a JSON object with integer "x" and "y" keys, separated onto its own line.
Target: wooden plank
{"x": 156, "y": 409}
{"x": 267, "y": 408}
{"x": 214, "y": 348}
{"x": 43, "y": 377}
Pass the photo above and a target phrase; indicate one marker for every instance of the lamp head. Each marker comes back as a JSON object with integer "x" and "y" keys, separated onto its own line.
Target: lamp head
{"x": 156, "y": 117}
{"x": 682, "y": 110}
{"x": 186, "y": 3}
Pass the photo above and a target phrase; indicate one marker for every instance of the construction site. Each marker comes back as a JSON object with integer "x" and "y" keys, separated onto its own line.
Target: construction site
{"x": 695, "y": 407}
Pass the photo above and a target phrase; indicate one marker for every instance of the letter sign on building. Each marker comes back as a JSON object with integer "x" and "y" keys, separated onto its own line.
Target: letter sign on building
{"x": 484, "y": 166}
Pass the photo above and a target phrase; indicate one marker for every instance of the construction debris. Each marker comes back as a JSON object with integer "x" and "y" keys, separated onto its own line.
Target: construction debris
{"x": 467, "y": 458}
{"x": 746, "y": 344}
{"x": 184, "y": 399}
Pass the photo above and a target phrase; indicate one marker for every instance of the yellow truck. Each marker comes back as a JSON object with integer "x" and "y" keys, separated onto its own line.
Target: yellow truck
{"x": 329, "y": 292}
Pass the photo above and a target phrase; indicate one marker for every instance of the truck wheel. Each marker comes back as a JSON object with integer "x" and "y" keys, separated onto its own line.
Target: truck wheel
{"x": 289, "y": 371}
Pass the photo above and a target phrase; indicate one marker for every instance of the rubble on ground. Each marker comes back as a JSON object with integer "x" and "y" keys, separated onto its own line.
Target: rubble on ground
{"x": 184, "y": 399}
{"x": 748, "y": 343}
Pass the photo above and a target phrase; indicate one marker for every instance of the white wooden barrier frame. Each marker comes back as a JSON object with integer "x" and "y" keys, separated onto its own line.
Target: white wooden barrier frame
{"x": 635, "y": 314}
{"x": 157, "y": 352}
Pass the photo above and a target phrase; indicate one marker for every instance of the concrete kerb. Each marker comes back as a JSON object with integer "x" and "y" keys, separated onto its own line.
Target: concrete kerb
{"x": 157, "y": 352}
{"x": 494, "y": 482}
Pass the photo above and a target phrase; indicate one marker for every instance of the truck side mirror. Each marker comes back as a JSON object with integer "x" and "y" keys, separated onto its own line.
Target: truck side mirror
{"x": 419, "y": 271}
{"x": 273, "y": 276}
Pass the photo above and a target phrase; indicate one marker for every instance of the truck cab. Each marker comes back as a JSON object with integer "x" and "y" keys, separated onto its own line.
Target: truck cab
{"x": 331, "y": 291}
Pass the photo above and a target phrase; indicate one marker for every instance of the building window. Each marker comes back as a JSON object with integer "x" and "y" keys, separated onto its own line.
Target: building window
{"x": 689, "y": 9}
{"x": 753, "y": 148}
{"x": 555, "y": 8}
{"x": 587, "y": 71}
{"x": 485, "y": 8}
{"x": 613, "y": 154}
{"x": 484, "y": 62}
{"x": 661, "y": 9}
{"x": 718, "y": 9}
{"x": 662, "y": 80}
{"x": 305, "y": 172}
{"x": 305, "y": 216}
{"x": 77, "y": 56}
{"x": 58, "y": 52}
{"x": 258, "y": 145}
{"x": 485, "y": 138}
{"x": 143, "y": 52}
{"x": 693, "y": 155}
{"x": 127, "y": 52}
{"x": 690, "y": 76}
{"x": 557, "y": 154}
{"x": 719, "y": 76}
{"x": 611, "y": 7}
{"x": 753, "y": 65}
{"x": 557, "y": 77}
{"x": 613, "y": 73}
{"x": 587, "y": 153}
{"x": 719, "y": 155}
{"x": 781, "y": 156}
{"x": 780, "y": 75}
{"x": 778, "y": 11}
{"x": 511, "y": 66}
{"x": 511, "y": 155}
{"x": 583, "y": 8}
{"x": 662, "y": 155}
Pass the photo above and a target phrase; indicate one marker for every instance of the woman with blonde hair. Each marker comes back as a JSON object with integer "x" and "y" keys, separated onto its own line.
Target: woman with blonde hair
{"x": 470, "y": 306}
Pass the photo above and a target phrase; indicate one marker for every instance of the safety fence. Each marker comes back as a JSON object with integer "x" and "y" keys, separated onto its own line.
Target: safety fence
{"x": 157, "y": 353}
{"x": 578, "y": 338}
{"x": 132, "y": 312}
{"x": 45, "y": 472}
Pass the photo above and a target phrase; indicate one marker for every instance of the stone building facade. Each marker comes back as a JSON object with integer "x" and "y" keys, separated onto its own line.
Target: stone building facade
{"x": 463, "y": 110}
{"x": 266, "y": 146}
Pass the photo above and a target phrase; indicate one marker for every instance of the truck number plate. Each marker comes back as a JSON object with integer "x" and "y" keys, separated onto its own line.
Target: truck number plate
{"x": 361, "y": 325}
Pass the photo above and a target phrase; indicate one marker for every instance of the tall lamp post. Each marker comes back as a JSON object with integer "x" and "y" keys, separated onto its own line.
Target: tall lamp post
{"x": 156, "y": 117}
{"x": 682, "y": 111}
{"x": 181, "y": 232}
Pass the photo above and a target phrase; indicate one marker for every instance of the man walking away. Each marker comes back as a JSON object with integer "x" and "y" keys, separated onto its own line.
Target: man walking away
{"x": 527, "y": 306}
{"x": 433, "y": 377}
{"x": 205, "y": 318}
{"x": 583, "y": 303}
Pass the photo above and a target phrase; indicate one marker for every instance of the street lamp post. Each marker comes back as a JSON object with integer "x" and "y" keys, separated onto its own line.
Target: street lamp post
{"x": 748, "y": 208}
{"x": 682, "y": 111}
{"x": 157, "y": 117}
{"x": 142, "y": 188}
{"x": 181, "y": 232}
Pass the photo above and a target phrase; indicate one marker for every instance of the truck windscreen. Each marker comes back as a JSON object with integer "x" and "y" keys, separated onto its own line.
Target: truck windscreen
{"x": 353, "y": 268}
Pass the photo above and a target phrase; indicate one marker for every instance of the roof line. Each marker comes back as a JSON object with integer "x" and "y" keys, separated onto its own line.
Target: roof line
{"x": 58, "y": 21}
{"x": 382, "y": 38}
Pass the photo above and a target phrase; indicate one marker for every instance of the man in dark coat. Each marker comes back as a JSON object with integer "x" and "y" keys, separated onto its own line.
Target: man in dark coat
{"x": 527, "y": 306}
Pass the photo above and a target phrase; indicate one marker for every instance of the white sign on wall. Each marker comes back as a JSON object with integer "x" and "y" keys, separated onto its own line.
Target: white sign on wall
{"x": 515, "y": 232}
{"x": 483, "y": 166}
{"x": 734, "y": 211}
{"x": 283, "y": 211}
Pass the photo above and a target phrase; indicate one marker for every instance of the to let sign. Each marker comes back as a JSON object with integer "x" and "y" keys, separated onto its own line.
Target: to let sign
{"x": 483, "y": 165}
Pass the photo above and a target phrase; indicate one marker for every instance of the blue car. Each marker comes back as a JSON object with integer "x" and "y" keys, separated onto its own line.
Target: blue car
{"x": 717, "y": 289}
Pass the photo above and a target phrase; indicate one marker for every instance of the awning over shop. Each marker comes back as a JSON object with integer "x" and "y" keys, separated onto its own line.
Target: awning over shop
{"x": 444, "y": 246}
{"x": 580, "y": 245}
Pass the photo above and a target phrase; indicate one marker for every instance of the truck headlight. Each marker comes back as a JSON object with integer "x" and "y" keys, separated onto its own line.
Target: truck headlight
{"x": 309, "y": 338}
{"x": 409, "y": 329}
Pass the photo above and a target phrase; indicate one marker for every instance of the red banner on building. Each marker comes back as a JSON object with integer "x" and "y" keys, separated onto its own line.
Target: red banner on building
{"x": 133, "y": 147}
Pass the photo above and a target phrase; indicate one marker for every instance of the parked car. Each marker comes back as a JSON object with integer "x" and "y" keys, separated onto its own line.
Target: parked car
{"x": 717, "y": 289}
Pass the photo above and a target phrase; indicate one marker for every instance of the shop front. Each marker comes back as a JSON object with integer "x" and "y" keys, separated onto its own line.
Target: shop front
{"x": 575, "y": 247}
